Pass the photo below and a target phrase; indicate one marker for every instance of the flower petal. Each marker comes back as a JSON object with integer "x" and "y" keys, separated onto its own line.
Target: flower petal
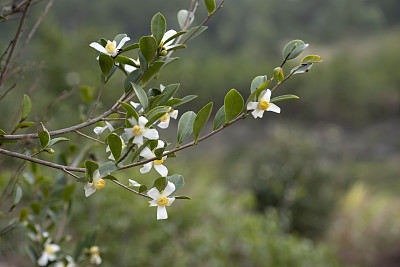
{"x": 138, "y": 139}
{"x": 154, "y": 193}
{"x": 161, "y": 213}
{"x": 255, "y": 113}
{"x": 134, "y": 183}
{"x": 43, "y": 260}
{"x": 99, "y": 48}
{"x": 267, "y": 95}
{"x": 174, "y": 114}
{"x": 146, "y": 167}
{"x": 252, "y": 105}
{"x": 274, "y": 108}
{"x": 170, "y": 201}
{"x": 169, "y": 189}
{"x": 129, "y": 68}
{"x": 161, "y": 169}
{"x": 164, "y": 124}
{"x": 160, "y": 144}
{"x": 167, "y": 35}
{"x": 110, "y": 127}
{"x": 146, "y": 153}
{"x": 89, "y": 189}
{"x": 142, "y": 121}
{"x": 151, "y": 134}
{"x": 122, "y": 42}
{"x": 99, "y": 130}
{"x": 153, "y": 203}
{"x": 133, "y": 121}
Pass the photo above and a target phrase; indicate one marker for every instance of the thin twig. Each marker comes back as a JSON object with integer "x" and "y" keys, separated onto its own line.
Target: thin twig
{"x": 98, "y": 99}
{"x": 130, "y": 189}
{"x": 89, "y": 137}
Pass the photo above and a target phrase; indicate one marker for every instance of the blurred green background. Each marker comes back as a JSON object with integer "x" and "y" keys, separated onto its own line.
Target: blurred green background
{"x": 313, "y": 186}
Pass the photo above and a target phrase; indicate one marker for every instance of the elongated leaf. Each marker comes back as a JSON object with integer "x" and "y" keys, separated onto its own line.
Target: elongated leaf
{"x": 152, "y": 70}
{"x": 119, "y": 37}
{"x": 159, "y": 152}
{"x": 169, "y": 61}
{"x": 219, "y": 119}
{"x": 278, "y": 74}
{"x": 130, "y": 111}
{"x": 294, "y": 48}
{"x": 210, "y": 4}
{"x": 44, "y": 137}
{"x": 148, "y": 47}
{"x": 201, "y": 120}
{"x": 185, "y": 126}
{"x": 17, "y": 195}
{"x": 115, "y": 144}
{"x": 169, "y": 92}
{"x": 177, "y": 180}
{"x": 303, "y": 69}
{"x": 192, "y": 30}
{"x": 175, "y": 36}
{"x": 158, "y": 27}
{"x": 57, "y": 140}
{"x": 172, "y": 102}
{"x": 106, "y": 64}
{"x": 26, "y": 107}
{"x": 125, "y": 60}
{"x": 142, "y": 188}
{"x": 91, "y": 167}
{"x": 257, "y": 82}
{"x": 131, "y": 47}
{"x": 233, "y": 103}
{"x": 176, "y": 47}
{"x": 284, "y": 97}
{"x": 107, "y": 168}
{"x": 155, "y": 116}
{"x": 185, "y": 100}
{"x": 311, "y": 59}
{"x": 141, "y": 94}
{"x": 160, "y": 183}
{"x": 2, "y": 132}
{"x": 132, "y": 77}
{"x": 183, "y": 197}
{"x": 24, "y": 125}
{"x": 2, "y": 17}
{"x": 183, "y": 17}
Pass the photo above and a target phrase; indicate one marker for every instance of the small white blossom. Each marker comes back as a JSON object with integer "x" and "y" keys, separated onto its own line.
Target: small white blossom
{"x": 130, "y": 68}
{"x": 111, "y": 47}
{"x": 158, "y": 166}
{"x": 135, "y": 105}
{"x": 99, "y": 130}
{"x": 262, "y": 105}
{"x": 48, "y": 254}
{"x": 97, "y": 184}
{"x": 133, "y": 183}
{"x": 139, "y": 131}
{"x": 70, "y": 262}
{"x": 95, "y": 255}
{"x": 164, "y": 120}
{"x": 166, "y": 36}
{"x": 161, "y": 199}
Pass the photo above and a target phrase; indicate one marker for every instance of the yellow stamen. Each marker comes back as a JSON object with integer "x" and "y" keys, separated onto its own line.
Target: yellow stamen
{"x": 158, "y": 161}
{"x": 137, "y": 130}
{"x": 123, "y": 144}
{"x": 99, "y": 183}
{"x": 164, "y": 118}
{"x": 163, "y": 201}
{"x": 263, "y": 104}
{"x": 94, "y": 250}
{"x": 49, "y": 249}
{"x": 110, "y": 47}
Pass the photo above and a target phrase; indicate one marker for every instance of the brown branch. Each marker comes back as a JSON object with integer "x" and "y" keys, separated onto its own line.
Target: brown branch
{"x": 89, "y": 137}
{"x": 98, "y": 98}
{"x": 130, "y": 189}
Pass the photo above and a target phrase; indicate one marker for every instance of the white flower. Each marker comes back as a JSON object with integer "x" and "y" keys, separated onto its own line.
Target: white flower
{"x": 148, "y": 154}
{"x": 139, "y": 131}
{"x": 166, "y": 36}
{"x": 99, "y": 130}
{"x": 135, "y": 105}
{"x": 164, "y": 120}
{"x": 95, "y": 255}
{"x": 48, "y": 254}
{"x": 133, "y": 183}
{"x": 70, "y": 262}
{"x": 97, "y": 184}
{"x": 130, "y": 68}
{"x": 111, "y": 48}
{"x": 262, "y": 105}
{"x": 123, "y": 147}
{"x": 161, "y": 199}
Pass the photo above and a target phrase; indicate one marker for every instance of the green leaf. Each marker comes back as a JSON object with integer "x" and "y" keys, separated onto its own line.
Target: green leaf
{"x": 91, "y": 167}
{"x": 185, "y": 126}
{"x": 155, "y": 114}
{"x": 119, "y": 37}
{"x": 201, "y": 120}
{"x": 176, "y": 47}
{"x": 175, "y": 36}
{"x": 177, "y": 180}
{"x": 257, "y": 82}
{"x": 152, "y": 70}
{"x": 160, "y": 183}
{"x": 141, "y": 94}
{"x": 301, "y": 69}
{"x": 131, "y": 47}
{"x": 44, "y": 137}
{"x": 2, "y": 17}
{"x": 284, "y": 97}
{"x": 35, "y": 207}
{"x": 293, "y": 49}
{"x": 182, "y": 16}
{"x": 26, "y": 107}
{"x": 23, "y": 214}
{"x": 57, "y": 140}
{"x": 311, "y": 59}
{"x": 142, "y": 188}
{"x": 107, "y": 168}
{"x": 2, "y": 132}
{"x": 115, "y": 144}
{"x": 87, "y": 93}
{"x": 169, "y": 92}
{"x": 278, "y": 74}
{"x": 148, "y": 47}
{"x": 17, "y": 195}
{"x": 110, "y": 177}
{"x": 172, "y": 102}
{"x": 143, "y": 62}
{"x": 125, "y": 60}
{"x": 183, "y": 197}
{"x": 233, "y": 103}
{"x": 106, "y": 64}
{"x": 185, "y": 100}
{"x": 190, "y": 31}
{"x": 170, "y": 60}
{"x": 210, "y": 4}
{"x": 158, "y": 27}
{"x": 130, "y": 111}
{"x": 24, "y": 125}
{"x": 159, "y": 152}
{"x": 219, "y": 119}
{"x": 132, "y": 77}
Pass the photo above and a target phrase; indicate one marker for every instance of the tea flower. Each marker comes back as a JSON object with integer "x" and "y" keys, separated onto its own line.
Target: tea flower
{"x": 148, "y": 154}
{"x": 135, "y": 105}
{"x": 111, "y": 48}
{"x": 95, "y": 255}
{"x": 138, "y": 131}
{"x": 70, "y": 262}
{"x": 99, "y": 130}
{"x": 161, "y": 199}
{"x": 130, "y": 68}
{"x": 166, "y": 36}
{"x": 262, "y": 105}
{"x": 48, "y": 254}
{"x": 133, "y": 183}
{"x": 97, "y": 184}
{"x": 164, "y": 120}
